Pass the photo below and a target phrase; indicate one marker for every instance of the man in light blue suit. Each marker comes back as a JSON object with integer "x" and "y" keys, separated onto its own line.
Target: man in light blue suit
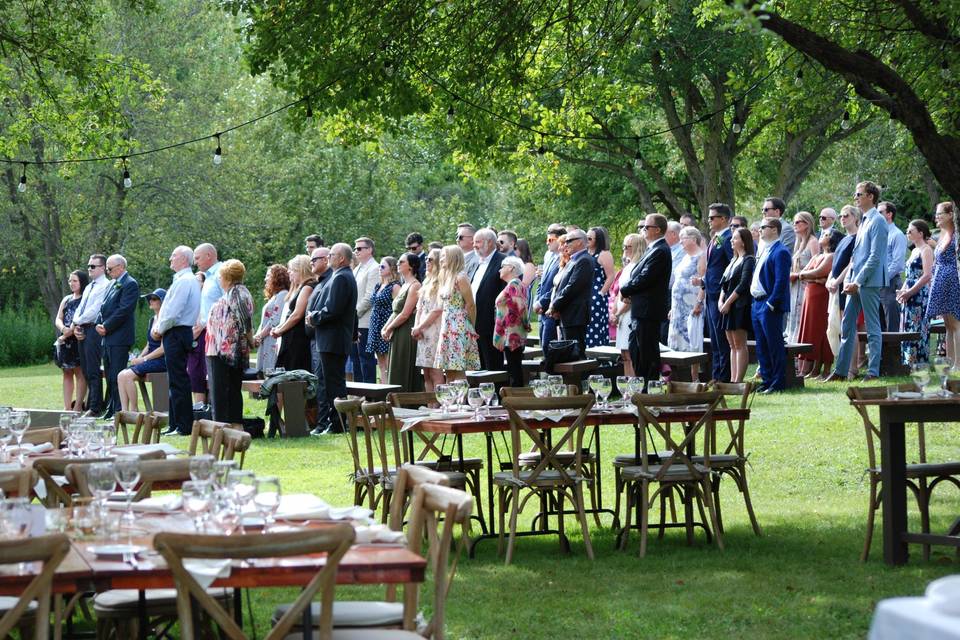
{"x": 867, "y": 275}
{"x": 770, "y": 288}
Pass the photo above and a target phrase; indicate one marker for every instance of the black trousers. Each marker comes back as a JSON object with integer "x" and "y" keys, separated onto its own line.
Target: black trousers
{"x": 177, "y": 344}
{"x": 491, "y": 359}
{"x": 515, "y": 366}
{"x": 333, "y": 367}
{"x": 114, "y": 361}
{"x": 226, "y": 395}
{"x": 645, "y": 348}
{"x": 719, "y": 347}
{"x": 90, "y": 356}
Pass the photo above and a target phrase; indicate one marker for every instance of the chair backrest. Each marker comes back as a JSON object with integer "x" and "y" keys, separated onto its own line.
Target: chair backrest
{"x": 571, "y": 436}
{"x": 49, "y": 550}
{"x": 382, "y": 438}
{"x": 334, "y": 540}
{"x": 349, "y": 411}
{"x": 686, "y": 387}
{"x": 173, "y": 471}
{"x": 734, "y": 390}
{"x": 650, "y": 413}
{"x": 527, "y": 392}
{"x": 18, "y": 482}
{"x": 204, "y": 435}
{"x": 53, "y": 435}
{"x": 233, "y": 442}
{"x": 77, "y": 477}
{"x": 437, "y": 511}
{"x": 412, "y": 399}
{"x": 148, "y": 430}
{"x": 121, "y": 420}
{"x": 57, "y": 495}
{"x": 415, "y": 400}
{"x": 409, "y": 477}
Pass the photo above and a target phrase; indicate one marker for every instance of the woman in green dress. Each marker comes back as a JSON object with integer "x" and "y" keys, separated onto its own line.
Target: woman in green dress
{"x": 403, "y": 368}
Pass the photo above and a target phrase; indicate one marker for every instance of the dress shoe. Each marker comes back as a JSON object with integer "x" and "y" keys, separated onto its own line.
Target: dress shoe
{"x": 107, "y": 415}
{"x": 169, "y": 431}
{"x": 869, "y": 377}
{"x": 834, "y": 377}
{"x": 761, "y": 388}
{"x": 770, "y": 391}
{"x": 332, "y": 430}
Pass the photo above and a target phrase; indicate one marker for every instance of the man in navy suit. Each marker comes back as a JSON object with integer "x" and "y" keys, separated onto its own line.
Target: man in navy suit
{"x": 551, "y": 265}
{"x": 333, "y": 315}
{"x": 649, "y": 293}
{"x": 487, "y": 284}
{"x": 571, "y": 297}
{"x": 117, "y": 325}
{"x": 719, "y": 254}
{"x": 770, "y": 289}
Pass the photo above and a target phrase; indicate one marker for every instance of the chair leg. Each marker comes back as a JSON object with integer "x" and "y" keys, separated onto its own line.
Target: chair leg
{"x": 501, "y": 509}
{"x": 664, "y": 492}
{"x": 644, "y": 515}
{"x": 708, "y": 498}
{"x": 386, "y": 496}
{"x": 594, "y": 494}
{"x": 745, "y": 490}
{"x": 617, "y": 487}
{"x": 564, "y": 545}
{"x": 715, "y": 485}
{"x": 514, "y": 508}
{"x": 475, "y": 491}
{"x": 582, "y": 516}
{"x": 923, "y": 502}
{"x": 628, "y": 489}
{"x": 871, "y": 513}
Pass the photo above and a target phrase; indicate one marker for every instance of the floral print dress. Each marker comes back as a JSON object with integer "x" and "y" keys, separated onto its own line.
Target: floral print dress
{"x": 382, "y": 307}
{"x": 510, "y": 324}
{"x": 457, "y": 349}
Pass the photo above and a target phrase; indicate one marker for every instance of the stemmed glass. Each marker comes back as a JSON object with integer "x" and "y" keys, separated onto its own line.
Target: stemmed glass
{"x": 941, "y": 367}
{"x": 226, "y": 513}
{"x": 244, "y": 487}
{"x": 196, "y": 501}
{"x": 16, "y": 521}
{"x": 109, "y": 435}
{"x": 5, "y": 436}
{"x": 594, "y": 384}
{"x": 623, "y": 387}
{"x": 267, "y": 499}
{"x": 19, "y": 423}
{"x": 102, "y": 481}
{"x": 221, "y": 469}
{"x": 605, "y": 389}
{"x": 475, "y": 400}
{"x": 444, "y": 394}
{"x": 127, "y": 472}
{"x": 557, "y": 388}
{"x": 920, "y": 372}
{"x": 487, "y": 390}
{"x": 460, "y": 387}
{"x": 655, "y": 387}
{"x": 201, "y": 469}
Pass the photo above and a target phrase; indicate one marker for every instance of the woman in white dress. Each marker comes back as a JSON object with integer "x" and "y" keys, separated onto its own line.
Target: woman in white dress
{"x": 275, "y": 286}
{"x": 426, "y": 327}
{"x": 633, "y": 247}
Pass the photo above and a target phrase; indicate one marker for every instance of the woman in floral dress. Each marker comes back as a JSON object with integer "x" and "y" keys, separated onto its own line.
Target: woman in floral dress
{"x": 457, "y": 351}
{"x": 426, "y": 328}
{"x": 275, "y": 286}
{"x": 686, "y": 307}
{"x": 510, "y": 326}
{"x": 914, "y": 295}
{"x": 945, "y": 286}
{"x": 382, "y": 306}
{"x": 229, "y": 336}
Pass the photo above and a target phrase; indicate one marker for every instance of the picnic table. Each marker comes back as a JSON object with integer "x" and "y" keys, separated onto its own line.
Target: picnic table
{"x": 371, "y": 391}
{"x": 294, "y": 403}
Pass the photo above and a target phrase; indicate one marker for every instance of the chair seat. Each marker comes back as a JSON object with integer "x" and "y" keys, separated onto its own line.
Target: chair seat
{"x": 629, "y": 460}
{"x": 927, "y": 469}
{"x": 9, "y": 602}
{"x": 567, "y": 457}
{"x": 357, "y": 613}
{"x": 121, "y": 602}
{"x": 469, "y": 464}
{"x": 374, "y": 477}
{"x": 719, "y": 461}
{"x": 546, "y": 478}
{"x": 678, "y": 472}
{"x": 374, "y": 634}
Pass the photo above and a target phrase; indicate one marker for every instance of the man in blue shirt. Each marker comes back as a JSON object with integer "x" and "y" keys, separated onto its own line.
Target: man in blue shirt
{"x": 208, "y": 264}
{"x": 896, "y": 257}
{"x": 174, "y": 326}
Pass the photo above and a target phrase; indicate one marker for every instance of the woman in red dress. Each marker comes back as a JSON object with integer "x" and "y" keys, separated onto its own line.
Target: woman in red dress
{"x": 813, "y": 314}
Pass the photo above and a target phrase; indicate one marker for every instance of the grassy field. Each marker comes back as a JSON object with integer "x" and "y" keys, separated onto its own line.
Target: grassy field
{"x": 801, "y": 579}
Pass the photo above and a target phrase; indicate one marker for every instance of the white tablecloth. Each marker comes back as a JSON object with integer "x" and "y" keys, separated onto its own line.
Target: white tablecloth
{"x": 912, "y": 618}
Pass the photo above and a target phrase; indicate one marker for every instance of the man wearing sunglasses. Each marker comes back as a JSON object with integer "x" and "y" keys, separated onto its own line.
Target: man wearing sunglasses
{"x": 774, "y": 207}
{"x": 367, "y": 275}
{"x": 117, "y": 326}
{"x": 83, "y": 324}
{"x": 770, "y": 289}
{"x": 465, "y": 233}
{"x": 415, "y": 246}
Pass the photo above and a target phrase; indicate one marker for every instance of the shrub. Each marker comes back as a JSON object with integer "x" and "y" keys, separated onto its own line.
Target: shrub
{"x": 26, "y": 337}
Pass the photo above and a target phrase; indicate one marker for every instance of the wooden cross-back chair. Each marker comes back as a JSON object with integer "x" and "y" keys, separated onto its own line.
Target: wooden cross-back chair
{"x": 363, "y": 485}
{"x": 385, "y": 451}
{"x": 49, "y": 550}
{"x": 552, "y": 478}
{"x": 53, "y": 435}
{"x": 150, "y": 428}
{"x": 334, "y": 540}
{"x": 168, "y": 473}
{"x": 675, "y": 468}
{"x": 232, "y": 443}
{"x": 122, "y": 420}
{"x": 203, "y": 436}
{"x": 675, "y": 386}
{"x": 922, "y": 477}
{"x": 58, "y": 494}
{"x": 17, "y": 482}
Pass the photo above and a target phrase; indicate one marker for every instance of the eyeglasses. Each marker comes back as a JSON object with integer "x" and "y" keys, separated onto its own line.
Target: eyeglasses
{"x": 429, "y": 259}
{"x": 843, "y": 215}
{"x": 359, "y": 249}
{"x": 501, "y": 242}
{"x": 765, "y": 209}
{"x": 383, "y": 266}
{"x": 459, "y": 238}
{"x": 715, "y": 217}
{"x": 312, "y": 260}
{"x": 858, "y": 194}
{"x": 767, "y": 226}
{"x": 97, "y": 266}
{"x": 735, "y": 226}
{"x": 647, "y": 226}
{"x": 799, "y": 222}
{"x": 826, "y": 218}
{"x": 109, "y": 269}
{"x": 413, "y": 247}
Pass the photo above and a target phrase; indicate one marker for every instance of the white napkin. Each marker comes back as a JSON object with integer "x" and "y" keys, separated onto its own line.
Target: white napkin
{"x": 206, "y": 571}
{"x": 378, "y": 533}
{"x": 10, "y": 466}
{"x": 32, "y": 449}
{"x": 141, "y": 449}
{"x": 411, "y": 422}
{"x": 350, "y": 513}
{"x": 156, "y": 504}
{"x": 944, "y": 595}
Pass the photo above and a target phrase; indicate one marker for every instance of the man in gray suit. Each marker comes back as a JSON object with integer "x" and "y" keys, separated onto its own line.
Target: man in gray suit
{"x": 866, "y": 276}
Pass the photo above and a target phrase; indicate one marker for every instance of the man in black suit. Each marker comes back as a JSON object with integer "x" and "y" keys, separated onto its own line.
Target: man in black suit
{"x": 571, "y": 297}
{"x": 487, "y": 285}
{"x": 649, "y": 293}
{"x": 333, "y": 315}
{"x": 117, "y": 326}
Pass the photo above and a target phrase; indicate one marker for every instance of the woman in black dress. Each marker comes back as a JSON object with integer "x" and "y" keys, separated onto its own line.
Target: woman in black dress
{"x": 294, "y": 351}
{"x": 735, "y": 300}
{"x": 67, "y": 347}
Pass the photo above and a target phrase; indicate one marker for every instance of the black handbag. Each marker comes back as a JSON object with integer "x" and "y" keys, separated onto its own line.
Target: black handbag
{"x": 560, "y": 351}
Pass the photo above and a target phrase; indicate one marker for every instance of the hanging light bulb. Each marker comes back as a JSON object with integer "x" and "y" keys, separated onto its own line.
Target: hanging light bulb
{"x": 845, "y": 122}
{"x": 637, "y": 160}
{"x": 23, "y": 179}
{"x": 450, "y": 114}
{"x": 388, "y": 67}
{"x": 945, "y": 69}
{"x": 798, "y": 81}
{"x": 127, "y": 182}
{"x": 541, "y": 150}
{"x": 735, "y": 127}
{"x": 309, "y": 110}
{"x": 218, "y": 154}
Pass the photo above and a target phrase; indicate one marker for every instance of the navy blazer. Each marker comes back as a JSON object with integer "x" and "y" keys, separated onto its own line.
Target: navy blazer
{"x": 545, "y": 291}
{"x": 117, "y": 313}
{"x": 740, "y": 279}
{"x": 490, "y": 287}
{"x": 775, "y": 277}
{"x": 573, "y": 293}
{"x": 718, "y": 257}
{"x": 649, "y": 284}
{"x": 333, "y": 312}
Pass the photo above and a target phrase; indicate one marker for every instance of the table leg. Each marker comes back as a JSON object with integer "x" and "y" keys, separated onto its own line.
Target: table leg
{"x": 492, "y": 527}
{"x": 307, "y": 622}
{"x": 599, "y": 466}
{"x": 142, "y": 614}
{"x": 238, "y": 607}
{"x": 893, "y": 491}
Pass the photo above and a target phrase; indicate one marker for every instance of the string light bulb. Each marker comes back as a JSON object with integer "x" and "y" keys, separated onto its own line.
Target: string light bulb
{"x": 945, "y": 69}
{"x": 637, "y": 158}
{"x": 845, "y": 121}
{"x": 736, "y": 127}
{"x": 450, "y": 115}
{"x": 798, "y": 81}
{"x": 309, "y": 110}
{"x": 218, "y": 153}
{"x": 23, "y": 179}
{"x": 127, "y": 182}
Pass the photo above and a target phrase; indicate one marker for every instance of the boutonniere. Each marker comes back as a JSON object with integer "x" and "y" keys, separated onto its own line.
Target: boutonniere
{"x": 717, "y": 240}
{"x": 116, "y": 286}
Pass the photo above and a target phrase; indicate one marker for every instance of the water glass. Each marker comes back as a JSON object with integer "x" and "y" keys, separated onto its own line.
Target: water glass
{"x": 461, "y": 386}
{"x": 488, "y": 390}
{"x": 605, "y": 388}
{"x": 593, "y": 383}
{"x": 19, "y": 423}
{"x": 623, "y": 387}
{"x": 475, "y": 400}
{"x": 221, "y": 469}
{"x": 108, "y": 433}
{"x": 655, "y": 387}
{"x": 444, "y": 395}
{"x": 5, "y": 436}
{"x": 540, "y": 388}
{"x": 243, "y": 483}
{"x": 201, "y": 469}
{"x": 225, "y": 511}
{"x": 196, "y": 502}
{"x": 16, "y": 520}
{"x": 941, "y": 367}
{"x": 557, "y": 388}
{"x": 267, "y": 499}
{"x": 126, "y": 470}
{"x": 920, "y": 372}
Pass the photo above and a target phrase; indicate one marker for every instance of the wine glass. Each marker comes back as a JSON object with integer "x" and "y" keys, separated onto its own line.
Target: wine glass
{"x": 196, "y": 501}
{"x": 557, "y": 388}
{"x": 16, "y": 521}
{"x": 487, "y": 390}
{"x": 109, "y": 434}
{"x": 201, "y": 469}
{"x": 81, "y": 437}
{"x": 594, "y": 384}
{"x": 920, "y": 372}
{"x": 19, "y": 423}
{"x": 243, "y": 484}
{"x": 226, "y": 512}
{"x": 102, "y": 481}
{"x": 221, "y": 469}
{"x": 267, "y": 499}
{"x": 636, "y": 385}
{"x": 442, "y": 391}
{"x": 655, "y": 387}
{"x": 623, "y": 387}
{"x": 941, "y": 367}
{"x": 605, "y": 389}
{"x": 461, "y": 386}
{"x": 127, "y": 472}
{"x": 5, "y": 436}
{"x": 475, "y": 400}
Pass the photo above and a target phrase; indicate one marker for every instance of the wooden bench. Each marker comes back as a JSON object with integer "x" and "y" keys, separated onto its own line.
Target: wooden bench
{"x": 604, "y": 353}
{"x": 574, "y": 371}
{"x": 294, "y": 400}
{"x": 532, "y": 353}
{"x": 474, "y": 378}
{"x": 372, "y": 391}
{"x": 891, "y": 362}
{"x": 681, "y": 363}
{"x": 794, "y": 349}
{"x": 159, "y": 391}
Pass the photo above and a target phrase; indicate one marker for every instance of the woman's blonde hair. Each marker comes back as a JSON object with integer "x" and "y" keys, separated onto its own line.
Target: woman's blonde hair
{"x": 452, "y": 267}
{"x": 431, "y": 280}
{"x": 300, "y": 265}
{"x": 232, "y": 271}
{"x": 801, "y": 240}
{"x": 637, "y": 246}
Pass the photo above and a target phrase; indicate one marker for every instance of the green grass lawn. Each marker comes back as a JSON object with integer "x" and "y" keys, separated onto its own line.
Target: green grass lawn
{"x": 802, "y": 578}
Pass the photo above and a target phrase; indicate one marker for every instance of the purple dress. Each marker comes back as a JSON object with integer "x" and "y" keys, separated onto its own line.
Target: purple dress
{"x": 945, "y": 285}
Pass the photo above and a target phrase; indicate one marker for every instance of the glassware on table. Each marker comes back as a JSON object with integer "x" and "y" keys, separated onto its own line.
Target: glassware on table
{"x": 225, "y": 511}
{"x": 243, "y": 484}
{"x": 65, "y": 420}
{"x": 540, "y": 388}
{"x": 5, "y": 436}
{"x": 488, "y": 390}
{"x": 196, "y": 501}
{"x": 102, "y": 480}
{"x": 623, "y": 387}
{"x": 920, "y": 372}
{"x": 475, "y": 400}
{"x": 16, "y": 521}
{"x": 221, "y": 469}
{"x": 94, "y": 441}
{"x": 201, "y": 468}
{"x": 557, "y": 388}
{"x": 19, "y": 423}
{"x": 941, "y": 367}
{"x": 126, "y": 469}
{"x": 655, "y": 387}
{"x": 636, "y": 385}
{"x": 444, "y": 395}
{"x": 605, "y": 389}
{"x": 108, "y": 432}
{"x": 593, "y": 384}
{"x": 460, "y": 387}
{"x": 267, "y": 499}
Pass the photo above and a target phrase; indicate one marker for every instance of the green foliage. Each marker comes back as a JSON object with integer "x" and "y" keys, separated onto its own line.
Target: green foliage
{"x": 26, "y": 337}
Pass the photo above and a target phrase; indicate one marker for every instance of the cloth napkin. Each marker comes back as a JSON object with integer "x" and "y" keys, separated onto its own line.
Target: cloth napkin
{"x": 141, "y": 449}
{"x": 206, "y": 571}
{"x": 156, "y": 504}
{"x": 944, "y": 595}
{"x": 32, "y": 449}
{"x": 410, "y": 423}
{"x": 378, "y": 533}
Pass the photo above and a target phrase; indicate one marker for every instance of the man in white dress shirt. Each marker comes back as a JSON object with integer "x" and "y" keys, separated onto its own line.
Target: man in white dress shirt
{"x": 367, "y": 275}
{"x": 84, "y": 321}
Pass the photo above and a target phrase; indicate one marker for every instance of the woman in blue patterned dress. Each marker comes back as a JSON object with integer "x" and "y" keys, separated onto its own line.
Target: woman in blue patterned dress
{"x": 382, "y": 306}
{"x": 686, "y": 306}
{"x": 598, "y": 325}
{"x": 915, "y": 294}
{"x": 945, "y": 286}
